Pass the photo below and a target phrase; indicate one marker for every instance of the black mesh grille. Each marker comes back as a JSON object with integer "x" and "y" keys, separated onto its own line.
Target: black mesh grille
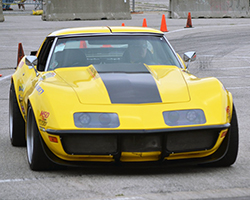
{"x": 141, "y": 143}
{"x": 106, "y": 144}
{"x": 191, "y": 140}
{"x": 90, "y": 144}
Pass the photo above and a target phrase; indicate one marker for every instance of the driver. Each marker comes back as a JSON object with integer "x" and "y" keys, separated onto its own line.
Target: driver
{"x": 138, "y": 52}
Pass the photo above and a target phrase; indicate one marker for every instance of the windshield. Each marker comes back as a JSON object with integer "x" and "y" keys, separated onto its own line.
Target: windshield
{"x": 113, "y": 49}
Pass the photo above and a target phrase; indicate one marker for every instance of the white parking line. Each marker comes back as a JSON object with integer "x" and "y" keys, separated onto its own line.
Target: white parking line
{"x": 12, "y": 180}
{"x": 230, "y": 68}
{"x": 5, "y": 77}
{"x": 238, "y": 87}
{"x": 232, "y": 77}
{"x": 125, "y": 198}
{"x": 203, "y": 27}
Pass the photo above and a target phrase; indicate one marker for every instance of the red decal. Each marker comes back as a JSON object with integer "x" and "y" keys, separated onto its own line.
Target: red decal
{"x": 44, "y": 115}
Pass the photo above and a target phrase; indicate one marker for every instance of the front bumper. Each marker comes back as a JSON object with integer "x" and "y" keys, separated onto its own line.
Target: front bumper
{"x": 195, "y": 144}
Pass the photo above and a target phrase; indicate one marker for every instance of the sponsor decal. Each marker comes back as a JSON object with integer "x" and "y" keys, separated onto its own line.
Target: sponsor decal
{"x": 39, "y": 89}
{"x": 21, "y": 64}
{"x": 42, "y": 123}
{"x": 20, "y": 98}
{"x": 23, "y": 110}
{"x": 43, "y": 118}
{"x": 44, "y": 115}
{"x": 48, "y": 75}
{"x": 92, "y": 71}
{"x": 21, "y": 88}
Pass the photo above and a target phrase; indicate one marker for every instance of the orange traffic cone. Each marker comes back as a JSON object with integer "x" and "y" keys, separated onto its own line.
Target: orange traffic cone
{"x": 163, "y": 24}
{"x": 189, "y": 21}
{"x": 123, "y": 24}
{"x": 144, "y": 24}
{"x": 83, "y": 44}
{"x": 20, "y": 53}
{"x": 0, "y": 75}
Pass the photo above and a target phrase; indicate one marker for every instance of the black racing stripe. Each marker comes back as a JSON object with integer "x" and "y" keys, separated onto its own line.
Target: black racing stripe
{"x": 131, "y": 87}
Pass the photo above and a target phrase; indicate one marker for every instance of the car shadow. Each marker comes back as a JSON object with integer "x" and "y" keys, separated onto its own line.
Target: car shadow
{"x": 144, "y": 170}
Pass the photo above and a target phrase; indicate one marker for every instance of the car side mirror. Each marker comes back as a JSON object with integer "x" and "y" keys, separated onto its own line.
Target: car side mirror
{"x": 31, "y": 62}
{"x": 189, "y": 57}
{"x": 182, "y": 61}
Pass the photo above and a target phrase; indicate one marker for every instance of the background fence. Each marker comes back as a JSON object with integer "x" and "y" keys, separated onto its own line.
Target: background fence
{"x": 38, "y": 4}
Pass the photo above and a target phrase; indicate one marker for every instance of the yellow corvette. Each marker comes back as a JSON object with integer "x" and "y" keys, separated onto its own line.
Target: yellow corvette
{"x": 118, "y": 95}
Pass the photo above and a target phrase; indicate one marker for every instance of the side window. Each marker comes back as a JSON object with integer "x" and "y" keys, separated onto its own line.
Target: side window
{"x": 44, "y": 53}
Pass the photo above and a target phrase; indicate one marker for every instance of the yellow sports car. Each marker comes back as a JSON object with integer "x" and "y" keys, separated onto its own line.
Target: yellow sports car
{"x": 118, "y": 95}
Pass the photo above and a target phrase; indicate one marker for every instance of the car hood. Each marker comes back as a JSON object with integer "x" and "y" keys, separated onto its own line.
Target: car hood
{"x": 137, "y": 84}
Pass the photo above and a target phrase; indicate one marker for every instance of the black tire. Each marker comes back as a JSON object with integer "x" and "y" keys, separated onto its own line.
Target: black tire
{"x": 37, "y": 159}
{"x": 233, "y": 144}
{"x": 16, "y": 121}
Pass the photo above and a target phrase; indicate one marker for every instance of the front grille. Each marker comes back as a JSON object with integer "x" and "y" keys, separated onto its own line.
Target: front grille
{"x": 90, "y": 144}
{"x": 113, "y": 144}
{"x": 141, "y": 143}
{"x": 191, "y": 140}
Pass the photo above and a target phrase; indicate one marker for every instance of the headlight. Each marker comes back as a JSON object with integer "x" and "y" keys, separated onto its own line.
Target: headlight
{"x": 184, "y": 117}
{"x": 96, "y": 120}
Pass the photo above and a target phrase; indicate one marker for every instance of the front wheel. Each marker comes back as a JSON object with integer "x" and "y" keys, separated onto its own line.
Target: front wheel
{"x": 232, "y": 140}
{"x": 36, "y": 157}
{"x": 16, "y": 121}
